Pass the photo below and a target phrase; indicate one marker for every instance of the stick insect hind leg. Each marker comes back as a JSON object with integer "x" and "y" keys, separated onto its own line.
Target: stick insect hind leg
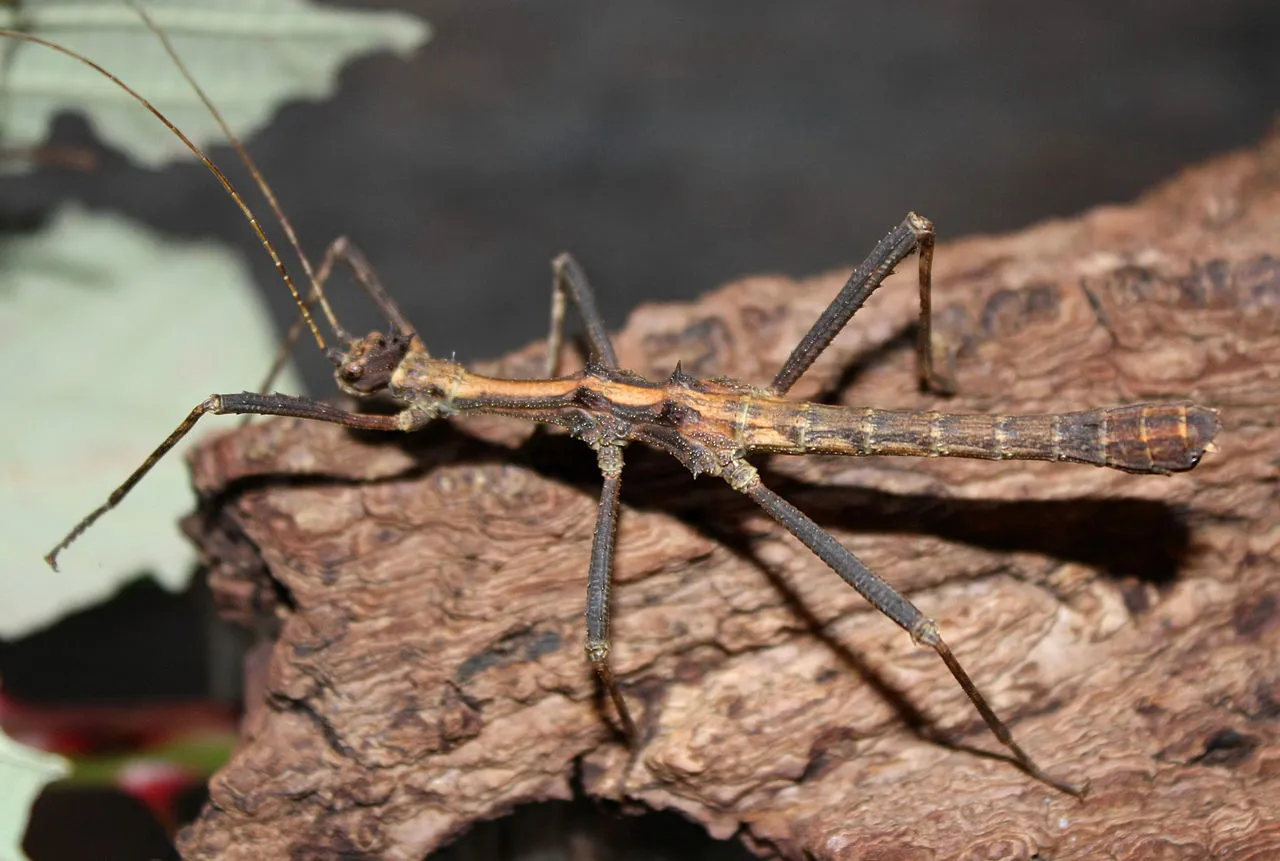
{"x": 570, "y": 282}
{"x": 914, "y": 233}
{"x": 886, "y": 599}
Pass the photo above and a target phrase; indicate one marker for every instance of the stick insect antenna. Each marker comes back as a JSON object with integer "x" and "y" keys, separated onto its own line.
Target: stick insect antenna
{"x": 198, "y": 153}
{"x": 317, "y": 293}
{"x": 120, "y": 492}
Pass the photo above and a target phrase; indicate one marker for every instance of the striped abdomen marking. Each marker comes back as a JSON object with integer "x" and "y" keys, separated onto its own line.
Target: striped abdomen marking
{"x": 1155, "y": 438}
{"x": 1142, "y": 437}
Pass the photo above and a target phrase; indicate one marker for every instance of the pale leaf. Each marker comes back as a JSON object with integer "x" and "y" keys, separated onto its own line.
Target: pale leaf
{"x": 24, "y": 771}
{"x": 250, "y": 56}
{"x": 109, "y": 335}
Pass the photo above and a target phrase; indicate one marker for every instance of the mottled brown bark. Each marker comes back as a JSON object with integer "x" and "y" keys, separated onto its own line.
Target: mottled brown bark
{"x": 425, "y": 594}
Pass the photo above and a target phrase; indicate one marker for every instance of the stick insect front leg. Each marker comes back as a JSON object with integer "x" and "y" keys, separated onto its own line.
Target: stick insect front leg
{"x": 915, "y": 233}
{"x": 571, "y": 282}
{"x": 244, "y": 403}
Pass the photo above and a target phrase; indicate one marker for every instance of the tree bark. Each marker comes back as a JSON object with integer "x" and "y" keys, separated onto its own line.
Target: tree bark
{"x": 424, "y": 595}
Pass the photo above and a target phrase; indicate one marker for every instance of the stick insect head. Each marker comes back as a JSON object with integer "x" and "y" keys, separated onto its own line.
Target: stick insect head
{"x": 367, "y": 364}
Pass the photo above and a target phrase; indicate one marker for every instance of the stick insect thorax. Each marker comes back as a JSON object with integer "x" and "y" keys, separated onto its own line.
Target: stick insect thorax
{"x": 711, "y": 426}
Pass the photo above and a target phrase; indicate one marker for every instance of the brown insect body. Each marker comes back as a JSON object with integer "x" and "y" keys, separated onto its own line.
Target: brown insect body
{"x": 727, "y": 420}
{"x": 711, "y": 426}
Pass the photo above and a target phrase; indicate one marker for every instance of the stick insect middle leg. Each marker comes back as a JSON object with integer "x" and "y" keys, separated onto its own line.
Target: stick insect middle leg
{"x": 570, "y": 282}
{"x": 600, "y": 582}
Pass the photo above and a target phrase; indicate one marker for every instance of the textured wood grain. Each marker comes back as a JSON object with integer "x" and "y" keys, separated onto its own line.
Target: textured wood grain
{"x": 424, "y": 596}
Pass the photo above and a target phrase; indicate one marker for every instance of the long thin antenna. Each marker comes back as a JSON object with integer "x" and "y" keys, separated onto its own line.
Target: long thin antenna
{"x": 199, "y": 153}
{"x": 267, "y": 192}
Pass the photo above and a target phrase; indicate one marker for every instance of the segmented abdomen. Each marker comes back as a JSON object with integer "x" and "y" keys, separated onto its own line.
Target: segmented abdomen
{"x": 1156, "y": 438}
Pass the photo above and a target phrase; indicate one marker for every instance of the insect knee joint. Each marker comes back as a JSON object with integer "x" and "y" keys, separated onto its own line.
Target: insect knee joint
{"x": 925, "y": 633}
{"x": 610, "y": 459}
{"x": 741, "y": 475}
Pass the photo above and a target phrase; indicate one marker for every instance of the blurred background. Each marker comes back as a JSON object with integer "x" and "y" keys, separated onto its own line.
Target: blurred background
{"x": 672, "y": 147}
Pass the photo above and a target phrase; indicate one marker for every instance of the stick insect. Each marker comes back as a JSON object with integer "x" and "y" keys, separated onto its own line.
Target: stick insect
{"x": 710, "y": 426}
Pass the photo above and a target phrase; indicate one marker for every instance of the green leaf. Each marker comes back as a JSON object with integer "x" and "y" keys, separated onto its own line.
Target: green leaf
{"x": 24, "y": 771}
{"x": 109, "y": 336}
{"x": 249, "y": 55}
{"x": 199, "y": 754}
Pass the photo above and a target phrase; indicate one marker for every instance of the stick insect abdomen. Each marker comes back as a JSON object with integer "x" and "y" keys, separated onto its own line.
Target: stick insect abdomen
{"x": 1141, "y": 438}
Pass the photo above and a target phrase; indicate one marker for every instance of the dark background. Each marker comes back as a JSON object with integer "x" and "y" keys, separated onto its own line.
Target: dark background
{"x": 672, "y": 146}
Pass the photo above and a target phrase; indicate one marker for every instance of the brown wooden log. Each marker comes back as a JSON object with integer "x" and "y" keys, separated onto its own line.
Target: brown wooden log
{"x": 425, "y": 595}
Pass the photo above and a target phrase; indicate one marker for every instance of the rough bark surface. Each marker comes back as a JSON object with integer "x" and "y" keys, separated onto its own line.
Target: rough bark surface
{"x": 424, "y": 595}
